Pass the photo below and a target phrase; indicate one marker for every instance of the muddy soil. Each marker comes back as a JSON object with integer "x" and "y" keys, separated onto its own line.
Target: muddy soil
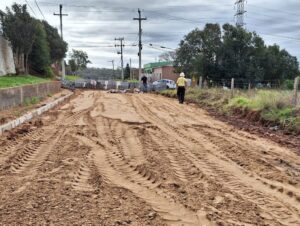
{"x": 141, "y": 159}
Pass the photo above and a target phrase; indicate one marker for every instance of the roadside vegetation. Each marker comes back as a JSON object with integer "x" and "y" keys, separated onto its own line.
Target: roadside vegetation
{"x": 36, "y": 44}
{"x": 271, "y": 107}
{"x": 72, "y": 77}
{"x": 13, "y": 81}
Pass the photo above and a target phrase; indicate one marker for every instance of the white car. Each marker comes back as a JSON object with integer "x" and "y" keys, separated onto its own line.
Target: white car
{"x": 170, "y": 84}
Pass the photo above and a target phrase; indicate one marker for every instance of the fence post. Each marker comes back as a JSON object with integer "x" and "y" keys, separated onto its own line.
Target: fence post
{"x": 232, "y": 87}
{"x": 295, "y": 96}
{"x": 200, "y": 82}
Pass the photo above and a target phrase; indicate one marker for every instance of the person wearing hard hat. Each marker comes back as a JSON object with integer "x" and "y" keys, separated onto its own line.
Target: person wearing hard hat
{"x": 181, "y": 84}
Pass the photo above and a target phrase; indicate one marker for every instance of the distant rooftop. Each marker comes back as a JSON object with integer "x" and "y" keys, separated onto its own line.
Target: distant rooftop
{"x": 149, "y": 67}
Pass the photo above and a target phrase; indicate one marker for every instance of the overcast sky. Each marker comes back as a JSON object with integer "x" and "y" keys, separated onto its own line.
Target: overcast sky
{"x": 92, "y": 25}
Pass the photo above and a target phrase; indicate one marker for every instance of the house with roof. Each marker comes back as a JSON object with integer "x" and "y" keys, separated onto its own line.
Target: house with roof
{"x": 161, "y": 70}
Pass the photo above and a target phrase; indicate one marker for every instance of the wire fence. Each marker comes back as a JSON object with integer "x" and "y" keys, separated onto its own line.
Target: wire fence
{"x": 290, "y": 87}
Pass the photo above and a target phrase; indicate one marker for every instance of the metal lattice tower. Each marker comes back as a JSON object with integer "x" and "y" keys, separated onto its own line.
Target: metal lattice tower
{"x": 240, "y": 12}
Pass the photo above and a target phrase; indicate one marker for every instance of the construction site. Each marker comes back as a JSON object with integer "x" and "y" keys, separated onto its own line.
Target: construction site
{"x": 141, "y": 159}
{"x": 149, "y": 113}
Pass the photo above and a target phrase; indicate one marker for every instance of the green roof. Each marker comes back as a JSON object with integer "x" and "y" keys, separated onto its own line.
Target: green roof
{"x": 149, "y": 67}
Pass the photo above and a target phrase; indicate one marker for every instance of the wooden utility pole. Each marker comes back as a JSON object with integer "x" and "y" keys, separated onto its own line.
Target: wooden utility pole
{"x": 295, "y": 96}
{"x": 140, "y": 42}
{"x": 60, "y": 14}
{"x": 200, "y": 82}
{"x": 232, "y": 87}
{"x": 121, "y": 52}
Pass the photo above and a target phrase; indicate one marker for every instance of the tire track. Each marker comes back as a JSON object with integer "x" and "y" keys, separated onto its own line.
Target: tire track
{"x": 114, "y": 170}
{"x": 287, "y": 215}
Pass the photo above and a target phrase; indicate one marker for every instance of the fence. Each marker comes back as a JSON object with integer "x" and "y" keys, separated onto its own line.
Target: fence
{"x": 234, "y": 84}
{"x": 110, "y": 84}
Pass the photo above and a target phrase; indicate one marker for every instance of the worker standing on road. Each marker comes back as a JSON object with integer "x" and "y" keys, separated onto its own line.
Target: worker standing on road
{"x": 181, "y": 84}
{"x": 144, "y": 80}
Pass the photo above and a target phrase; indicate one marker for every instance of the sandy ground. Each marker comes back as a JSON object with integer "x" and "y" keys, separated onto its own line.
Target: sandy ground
{"x": 141, "y": 159}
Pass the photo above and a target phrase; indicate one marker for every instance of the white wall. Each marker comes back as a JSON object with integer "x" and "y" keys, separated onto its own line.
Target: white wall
{"x": 7, "y": 65}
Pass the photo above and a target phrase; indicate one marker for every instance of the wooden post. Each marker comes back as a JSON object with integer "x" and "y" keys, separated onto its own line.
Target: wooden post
{"x": 295, "y": 96}
{"x": 232, "y": 87}
{"x": 200, "y": 82}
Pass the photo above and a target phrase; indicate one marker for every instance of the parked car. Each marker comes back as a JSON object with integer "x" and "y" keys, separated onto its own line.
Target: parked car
{"x": 170, "y": 84}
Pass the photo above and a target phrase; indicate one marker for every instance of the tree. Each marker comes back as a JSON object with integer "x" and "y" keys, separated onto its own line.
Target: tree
{"x": 127, "y": 72}
{"x": 19, "y": 28}
{"x": 40, "y": 55}
{"x": 167, "y": 56}
{"x": 58, "y": 47}
{"x": 198, "y": 52}
{"x": 236, "y": 54}
{"x": 79, "y": 60}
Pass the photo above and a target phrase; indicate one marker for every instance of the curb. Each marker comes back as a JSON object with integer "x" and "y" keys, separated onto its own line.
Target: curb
{"x": 13, "y": 124}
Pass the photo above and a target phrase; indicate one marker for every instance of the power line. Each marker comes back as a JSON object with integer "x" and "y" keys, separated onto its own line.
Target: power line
{"x": 30, "y": 8}
{"x": 39, "y": 9}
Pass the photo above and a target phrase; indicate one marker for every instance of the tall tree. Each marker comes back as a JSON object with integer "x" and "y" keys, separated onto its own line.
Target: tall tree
{"x": 40, "y": 55}
{"x": 236, "y": 54}
{"x": 79, "y": 60}
{"x": 58, "y": 47}
{"x": 127, "y": 72}
{"x": 167, "y": 56}
{"x": 19, "y": 28}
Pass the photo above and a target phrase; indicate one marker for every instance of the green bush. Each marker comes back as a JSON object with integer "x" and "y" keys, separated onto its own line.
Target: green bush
{"x": 49, "y": 72}
{"x": 32, "y": 101}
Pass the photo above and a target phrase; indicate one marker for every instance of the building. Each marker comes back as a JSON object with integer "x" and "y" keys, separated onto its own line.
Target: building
{"x": 161, "y": 70}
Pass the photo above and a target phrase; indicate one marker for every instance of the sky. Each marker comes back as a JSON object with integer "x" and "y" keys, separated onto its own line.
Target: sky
{"x": 93, "y": 25}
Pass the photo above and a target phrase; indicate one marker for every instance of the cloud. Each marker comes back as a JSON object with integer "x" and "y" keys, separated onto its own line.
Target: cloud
{"x": 92, "y": 25}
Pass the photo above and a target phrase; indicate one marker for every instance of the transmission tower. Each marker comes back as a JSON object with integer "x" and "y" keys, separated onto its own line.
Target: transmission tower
{"x": 240, "y": 12}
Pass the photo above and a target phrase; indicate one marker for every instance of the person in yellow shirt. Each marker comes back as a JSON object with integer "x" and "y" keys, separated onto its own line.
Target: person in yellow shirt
{"x": 181, "y": 84}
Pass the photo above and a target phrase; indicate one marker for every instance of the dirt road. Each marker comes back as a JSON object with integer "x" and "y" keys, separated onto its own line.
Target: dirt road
{"x": 135, "y": 159}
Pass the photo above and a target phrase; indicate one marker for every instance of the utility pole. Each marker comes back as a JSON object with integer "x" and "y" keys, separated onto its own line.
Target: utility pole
{"x": 130, "y": 69}
{"x": 113, "y": 64}
{"x": 140, "y": 41}
{"x": 121, "y": 52}
{"x": 60, "y": 14}
{"x": 240, "y": 11}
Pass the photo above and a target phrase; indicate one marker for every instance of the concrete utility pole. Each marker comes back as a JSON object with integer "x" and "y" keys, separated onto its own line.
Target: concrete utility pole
{"x": 140, "y": 41}
{"x": 121, "y": 52}
{"x": 113, "y": 64}
{"x": 60, "y": 14}
{"x": 240, "y": 11}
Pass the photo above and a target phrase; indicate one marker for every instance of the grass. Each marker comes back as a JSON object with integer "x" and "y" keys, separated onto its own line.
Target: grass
{"x": 72, "y": 77}
{"x": 13, "y": 81}
{"x": 273, "y": 106}
{"x": 32, "y": 101}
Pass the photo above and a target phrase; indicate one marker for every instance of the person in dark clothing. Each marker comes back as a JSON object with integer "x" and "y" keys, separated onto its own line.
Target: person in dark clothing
{"x": 144, "y": 80}
{"x": 181, "y": 84}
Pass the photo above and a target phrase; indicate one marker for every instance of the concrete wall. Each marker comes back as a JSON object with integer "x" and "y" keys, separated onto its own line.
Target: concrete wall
{"x": 12, "y": 97}
{"x": 7, "y": 65}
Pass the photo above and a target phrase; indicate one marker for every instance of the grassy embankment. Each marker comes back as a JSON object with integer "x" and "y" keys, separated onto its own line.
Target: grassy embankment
{"x": 13, "y": 81}
{"x": 271, "y": 107}
{"x": 72, "y": 77}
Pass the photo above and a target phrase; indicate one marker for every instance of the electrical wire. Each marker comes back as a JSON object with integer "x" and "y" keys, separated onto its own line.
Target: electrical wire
{"x": 30, "y": 8}
{"x": 39, "y": 9}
